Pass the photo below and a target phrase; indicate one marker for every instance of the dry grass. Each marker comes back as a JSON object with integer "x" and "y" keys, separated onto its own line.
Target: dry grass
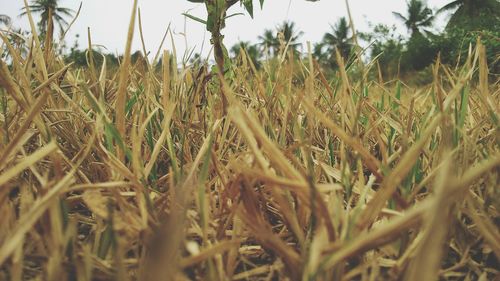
{"x": 345, "y": 179}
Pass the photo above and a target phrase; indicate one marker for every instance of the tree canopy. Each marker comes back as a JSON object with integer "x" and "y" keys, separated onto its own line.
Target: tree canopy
{"x": 418, "y": 16}
{"x": 49, "y": 10}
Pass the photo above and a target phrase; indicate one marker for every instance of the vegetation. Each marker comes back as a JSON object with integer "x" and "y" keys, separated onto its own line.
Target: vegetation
{"x": 387, "y": 48}
{"x": 249, "y": 50}
{"x": 50, "y": 13}
{"x": 338, "y": 39}
{"x": 473, "y": 14}
{"x": 4, "y": 19}
{"x": 277, "y": 168}
{"x": 418, "y": 16}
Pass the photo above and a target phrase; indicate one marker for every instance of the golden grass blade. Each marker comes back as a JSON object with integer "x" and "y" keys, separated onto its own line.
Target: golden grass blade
{"x": 238, "y": 119}
{"x": 166, "y": 80}
{"x": 39, "y": 208}
{"x": 101, "y": 185}
{"x": 161, "y": 140}
{"x": 77, "y": 14}
{"x": 377, "y": 237}
{"x": 484, "y": 225}
{"x": 141, "y": 35}
{"x": 121, "y": 95}
{"x": 411, "y": 218}
{"x": 11, "y": 147}
{"x": 372, "y": 163}
{"x": 27, "y": 162}
{"x": 207, "y": 253}
{"x": 396, "y": 176}
{"x": 7, "y": 82}
{"x": 38, "y": 53}
{"x": 249, "y": 214}
{"x": 102, "y": 79}
{"x": 435, "y": 230}
{"x": 202, "y": 152}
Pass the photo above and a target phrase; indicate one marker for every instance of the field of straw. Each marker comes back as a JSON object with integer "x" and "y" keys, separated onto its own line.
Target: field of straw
{"x": 143, "y": 173}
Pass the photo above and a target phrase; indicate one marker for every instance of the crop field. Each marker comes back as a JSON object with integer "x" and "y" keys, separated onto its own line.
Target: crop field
{"x": 161, "y": 170}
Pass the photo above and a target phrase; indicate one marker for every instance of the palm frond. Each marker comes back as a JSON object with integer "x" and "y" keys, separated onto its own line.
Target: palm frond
{"x": 400, "y": 16}
{"x": 5, "y": 19}
{"x": 450, "y": 6}
{"x": 427, "y": 22}
{"x": 42, "y": 7}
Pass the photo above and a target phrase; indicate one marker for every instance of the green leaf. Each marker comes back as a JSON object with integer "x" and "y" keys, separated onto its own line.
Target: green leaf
{"x": 131, "y": 102}
{"x": 106, "y": 242}
{"x": 195, "y": 18}
{"x": 261, "y": 3}
{"x": 113, "y": 134}
{"x": 108, "y": 139}
{"x": 463, "y": 106}
{"x": 211, "y": 17}
{"x": 149, "y": 136}
{"x": 236, "y": 14}
{"x": 248, "y": 6}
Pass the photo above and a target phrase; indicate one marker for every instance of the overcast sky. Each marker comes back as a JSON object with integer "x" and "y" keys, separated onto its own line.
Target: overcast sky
{"x": 108, "y": 20}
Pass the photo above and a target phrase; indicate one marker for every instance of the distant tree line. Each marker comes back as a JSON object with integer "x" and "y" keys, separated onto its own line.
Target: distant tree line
{"x": 395, "y": 55}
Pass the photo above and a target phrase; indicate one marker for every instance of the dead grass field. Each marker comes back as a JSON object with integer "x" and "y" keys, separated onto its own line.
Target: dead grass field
{"x": 140, "y": 174}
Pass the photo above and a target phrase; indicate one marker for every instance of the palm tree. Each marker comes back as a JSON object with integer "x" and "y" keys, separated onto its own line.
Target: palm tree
{"x": 5, "y": 19}
{"x": 418, "y": 16}
{"x": 319, "y": 54}
{"x": 50, "y": 12}
{"x": 252, "y": 51}
{"x": 339, "y": 38}
{"x": 288, "y": 33}
{"x": 269, "y": 42}
{"x": 468, "y": 12}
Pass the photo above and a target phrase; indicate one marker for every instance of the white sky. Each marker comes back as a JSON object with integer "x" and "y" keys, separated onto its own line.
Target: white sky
{"x": 109, "y": 19}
